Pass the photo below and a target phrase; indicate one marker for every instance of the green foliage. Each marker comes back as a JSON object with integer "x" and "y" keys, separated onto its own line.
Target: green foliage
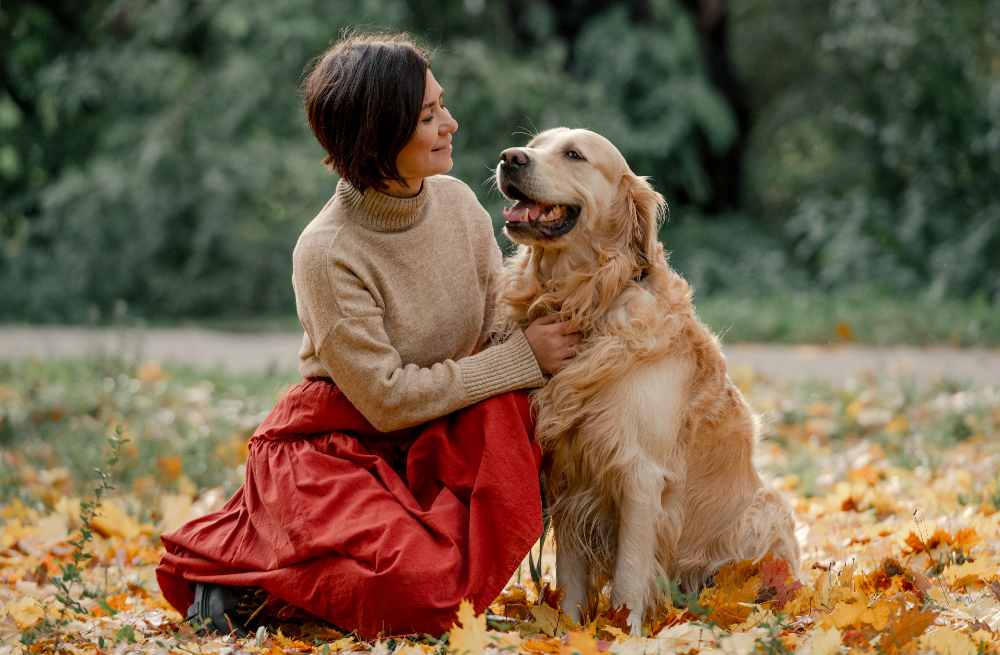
{"x": 155, "y": 160}
{"x": 192, "y": 176}
{"x": 49, "y": 628}
{"x": 156, "y": 153}
{"x": 882, "y": 147}
{"x": 855, "y": 316}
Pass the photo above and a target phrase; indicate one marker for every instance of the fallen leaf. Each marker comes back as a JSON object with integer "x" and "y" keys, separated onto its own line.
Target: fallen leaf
{"x": 947, "y": 641}
{"x": 775, "y": 576}
{"x": 550, "y": 620}
{"x": 580, "y": 641}
{"x": 112, "y": 521}
{"x": 825, "y": 643}
{"x": 468, "y": 636}
{"x": 618, "y": 634}
{"x": 964, "y": 575}
{"x": 540, "y": 646}
{"x": 25, "y": 611}
{"x": 905, "y": 627}
{"x": 994, "y": 587}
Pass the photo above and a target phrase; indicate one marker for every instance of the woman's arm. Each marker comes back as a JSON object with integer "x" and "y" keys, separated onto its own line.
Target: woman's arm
{"x": 357, "y": 353}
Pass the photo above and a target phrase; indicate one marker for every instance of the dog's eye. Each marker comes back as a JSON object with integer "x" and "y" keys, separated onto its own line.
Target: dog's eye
{"x": 573, "y": 154}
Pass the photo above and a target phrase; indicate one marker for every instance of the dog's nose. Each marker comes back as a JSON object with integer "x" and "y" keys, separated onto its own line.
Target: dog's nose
{"x": 514, "y": 157}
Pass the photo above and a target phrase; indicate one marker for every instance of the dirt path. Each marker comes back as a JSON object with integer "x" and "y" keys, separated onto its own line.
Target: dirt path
{"x": 248, "y": 352}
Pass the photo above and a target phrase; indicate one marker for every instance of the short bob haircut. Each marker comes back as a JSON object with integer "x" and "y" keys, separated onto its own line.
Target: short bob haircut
{"x": 363, "y": 97}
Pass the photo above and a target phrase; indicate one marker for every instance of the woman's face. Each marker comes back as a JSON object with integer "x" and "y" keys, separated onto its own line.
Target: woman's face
{"x": 429, "y": 150}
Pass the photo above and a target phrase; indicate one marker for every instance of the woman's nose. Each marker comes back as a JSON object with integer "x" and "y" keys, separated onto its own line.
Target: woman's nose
{"x": 450, "y": 125}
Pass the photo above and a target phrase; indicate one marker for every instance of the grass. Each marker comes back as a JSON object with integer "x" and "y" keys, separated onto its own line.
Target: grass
{"x": 863, "y": 317}
{"x": 189, "y": 428}
{"x": 864, "y": 461}
{"x": 860, "y": 317}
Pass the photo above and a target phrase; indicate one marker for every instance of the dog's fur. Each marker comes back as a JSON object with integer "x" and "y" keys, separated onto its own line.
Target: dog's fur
{"x": 648, "y": 445}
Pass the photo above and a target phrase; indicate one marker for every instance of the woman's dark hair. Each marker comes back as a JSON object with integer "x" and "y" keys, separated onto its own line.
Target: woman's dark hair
{"x": 363, "y": 97}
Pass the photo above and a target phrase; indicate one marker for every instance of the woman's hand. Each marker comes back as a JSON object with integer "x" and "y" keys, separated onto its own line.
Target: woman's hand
{"x": 552, "y": 342}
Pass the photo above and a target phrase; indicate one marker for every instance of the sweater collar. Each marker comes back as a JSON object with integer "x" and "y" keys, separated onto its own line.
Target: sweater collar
{"x": 377, "y": 211}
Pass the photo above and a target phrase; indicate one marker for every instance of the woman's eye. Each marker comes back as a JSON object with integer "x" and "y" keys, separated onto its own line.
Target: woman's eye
{"x": 573, "y": 154}
{"x": 428, "y": 119}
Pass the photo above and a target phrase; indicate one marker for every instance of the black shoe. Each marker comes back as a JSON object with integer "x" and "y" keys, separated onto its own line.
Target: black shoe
{"x": 218, "y": 608}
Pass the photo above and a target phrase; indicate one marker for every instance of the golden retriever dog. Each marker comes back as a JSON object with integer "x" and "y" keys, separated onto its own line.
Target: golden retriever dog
{"x": 648, "y": 445}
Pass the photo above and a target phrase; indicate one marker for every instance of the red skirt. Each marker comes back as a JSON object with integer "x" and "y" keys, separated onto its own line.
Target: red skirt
{"x": 374, "y": 532}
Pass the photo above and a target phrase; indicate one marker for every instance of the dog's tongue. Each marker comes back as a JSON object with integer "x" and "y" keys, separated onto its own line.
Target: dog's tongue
{"x": 524, "y": 210}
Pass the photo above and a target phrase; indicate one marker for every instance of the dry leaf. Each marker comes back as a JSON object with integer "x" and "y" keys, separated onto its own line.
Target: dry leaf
{"x": 994, "y": 587}
{"x": 468, "y": 636}
{"x": 542, "y": 646}
{"x": 550, "y": 620}
{"x": 113, "y": 522}
{"x": 947, "y": 641}
{"x": 905, "y": 627}
{"x": 965, "y": 575}
{"x": 582, "y": 641}
{"x": 825, "y": 643}
{"x": 618, "y": 634}
{"x": 777, "y": 579}
{"x": 25, "y": 611}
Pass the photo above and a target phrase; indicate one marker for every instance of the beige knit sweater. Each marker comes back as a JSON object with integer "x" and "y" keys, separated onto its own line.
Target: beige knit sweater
{"x": 397, "y": 300}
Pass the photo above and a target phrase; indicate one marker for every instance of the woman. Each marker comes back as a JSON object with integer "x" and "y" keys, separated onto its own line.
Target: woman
{"x": 401, "y": 475}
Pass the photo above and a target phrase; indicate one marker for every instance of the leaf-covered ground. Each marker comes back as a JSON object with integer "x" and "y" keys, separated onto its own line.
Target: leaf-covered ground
{"x": 895, "y": 482}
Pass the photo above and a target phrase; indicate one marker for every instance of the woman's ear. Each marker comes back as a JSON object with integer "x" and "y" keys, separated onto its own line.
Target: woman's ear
{"x": 644, "y": 207}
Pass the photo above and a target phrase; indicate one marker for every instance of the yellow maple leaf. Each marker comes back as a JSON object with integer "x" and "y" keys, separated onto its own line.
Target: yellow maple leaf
{"x": 584, "y": 642}
{"x": 734, "y": 575}
{"x": 550, "y": 620}
{"x": 541, "y": 646}
{"x": 907, "y": 626}
{"x": 847, "y": 615}
{"x": 25, "y": 611}
{"x": 414, "y": 649}
{"x": 113, "y": 522}
{"x": 859, "y": 615}
{"x": 964, "y": 575}
{"x": 985, "y": 638}
{"x": 469, "y": 638}
{"x": 14, "y": 531}
{"x": 734, "y": 605}
{"x": 882, "y": 615}
{"x": 510, "y": 640}
{"x": 947, "y": 641}
{"x": 825, "y": 643}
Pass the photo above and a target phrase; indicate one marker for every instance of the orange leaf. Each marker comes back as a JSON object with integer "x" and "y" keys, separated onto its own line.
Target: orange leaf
{"x": 966, "y": 539}
{"x": 776, "y": 578}
{"x": 732, "y": 576}
{"x": 581, "y": 641}
{"x": 905, "y": 627}
{"x": 540, "y": 646}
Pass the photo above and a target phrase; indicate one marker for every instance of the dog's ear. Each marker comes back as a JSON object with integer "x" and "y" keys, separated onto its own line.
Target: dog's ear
{"x": 643, "y": 208}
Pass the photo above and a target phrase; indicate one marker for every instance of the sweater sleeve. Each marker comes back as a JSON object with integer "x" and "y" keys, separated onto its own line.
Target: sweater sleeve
{"x": 494, "y": 267}
{"x": 357, "y": 353}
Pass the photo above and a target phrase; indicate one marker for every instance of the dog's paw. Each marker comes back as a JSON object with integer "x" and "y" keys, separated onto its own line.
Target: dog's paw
{"x": 635, "y": 623}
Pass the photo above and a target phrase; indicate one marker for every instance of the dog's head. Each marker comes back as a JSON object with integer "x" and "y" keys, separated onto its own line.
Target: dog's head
{"x": 573, "y": 189}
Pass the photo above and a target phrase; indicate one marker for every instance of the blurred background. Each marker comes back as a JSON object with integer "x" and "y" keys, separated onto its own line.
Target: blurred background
{"x": 832, "y": 166}
{"x": 832, "y": 169}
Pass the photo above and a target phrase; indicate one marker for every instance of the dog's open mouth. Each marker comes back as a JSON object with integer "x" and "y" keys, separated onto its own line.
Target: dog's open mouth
{"x": 532, "y": 218}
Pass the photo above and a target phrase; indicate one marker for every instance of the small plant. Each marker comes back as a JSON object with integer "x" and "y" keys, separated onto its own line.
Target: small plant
{"x": 772, "y": 643}
{"x": 50, "y": 628}
{"x": 991, "y": 493}
{"x": 689, "y": 601}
